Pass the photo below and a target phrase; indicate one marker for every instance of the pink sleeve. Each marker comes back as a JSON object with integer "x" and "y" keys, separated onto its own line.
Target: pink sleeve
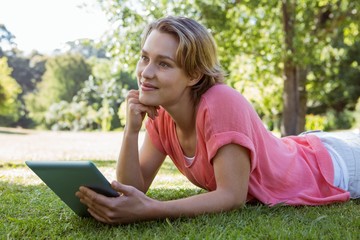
{"x": 216, "y": 141}
{"x": 222, "y": 122}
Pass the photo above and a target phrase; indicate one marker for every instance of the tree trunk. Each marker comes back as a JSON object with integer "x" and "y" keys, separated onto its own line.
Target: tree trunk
{"x": 294, "y": 95}
{"x": 290, "y": 98}
{"x": 301, "y": 79}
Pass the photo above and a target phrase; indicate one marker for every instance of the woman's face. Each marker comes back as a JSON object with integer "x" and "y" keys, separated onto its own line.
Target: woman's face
{"x": 161, "y": 81}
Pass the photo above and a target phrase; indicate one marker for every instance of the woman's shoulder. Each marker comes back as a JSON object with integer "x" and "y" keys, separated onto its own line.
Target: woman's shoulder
{"x": 220, "y": 88}
{"x": 221, "y": 94}
{"x": 224, "y": 105}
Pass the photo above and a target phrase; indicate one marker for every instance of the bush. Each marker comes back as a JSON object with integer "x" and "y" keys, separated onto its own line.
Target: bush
{"x": 9, "y": 91}
{"x": 72, "y": 116}
{"x": 122, "y": 113}
{"x": 333, "y": 120}
{"x": 339, "y": 120}
{"x": 356, "y": 114}
{"x": 315, "y": 122}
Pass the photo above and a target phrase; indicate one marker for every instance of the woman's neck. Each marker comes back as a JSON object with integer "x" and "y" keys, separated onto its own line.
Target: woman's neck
{"x": 185, "y": 127}
{"x": 184, "y": 116}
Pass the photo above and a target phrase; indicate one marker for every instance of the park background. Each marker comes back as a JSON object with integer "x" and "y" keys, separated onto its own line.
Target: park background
{"x": 297, "y": 61}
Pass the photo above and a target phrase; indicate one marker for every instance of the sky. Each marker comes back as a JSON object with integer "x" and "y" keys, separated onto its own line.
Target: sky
{"x": 45, "y": 25}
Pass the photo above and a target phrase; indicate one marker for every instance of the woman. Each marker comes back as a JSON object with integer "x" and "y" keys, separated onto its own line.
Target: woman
{"x": 214, "y": 138}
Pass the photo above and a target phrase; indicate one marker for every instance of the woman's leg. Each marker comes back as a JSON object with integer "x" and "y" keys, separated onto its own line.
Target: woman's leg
{"x": 346, "y": 144}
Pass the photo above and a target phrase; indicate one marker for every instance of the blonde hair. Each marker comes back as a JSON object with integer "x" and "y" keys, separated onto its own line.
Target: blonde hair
{"x": 196, "y": 52}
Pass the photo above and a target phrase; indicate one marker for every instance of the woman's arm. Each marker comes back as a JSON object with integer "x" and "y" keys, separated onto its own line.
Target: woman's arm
{"x": 132, "y": 170}
{"x": 232, "y": 171}
{"x": 136, "y": 171}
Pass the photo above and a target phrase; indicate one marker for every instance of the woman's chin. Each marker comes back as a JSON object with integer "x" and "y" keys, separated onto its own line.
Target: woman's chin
{"x": 146, "y": 101}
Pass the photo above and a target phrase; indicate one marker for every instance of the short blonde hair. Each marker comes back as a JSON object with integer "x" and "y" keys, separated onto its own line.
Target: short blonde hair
{"x": 196, "y": 52}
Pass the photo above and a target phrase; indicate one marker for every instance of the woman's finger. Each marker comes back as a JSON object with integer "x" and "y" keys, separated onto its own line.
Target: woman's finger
{"x": 93, "y": 199}
{"x": 122, "y": 188}
{"x": 98, "y": 205}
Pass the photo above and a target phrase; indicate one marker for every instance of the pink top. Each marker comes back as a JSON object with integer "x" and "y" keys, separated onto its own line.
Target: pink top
{"x": 294, "y": 170}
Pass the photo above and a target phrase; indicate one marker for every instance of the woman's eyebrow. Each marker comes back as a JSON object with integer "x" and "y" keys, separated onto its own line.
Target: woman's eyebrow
{"x": 159, "y": 56}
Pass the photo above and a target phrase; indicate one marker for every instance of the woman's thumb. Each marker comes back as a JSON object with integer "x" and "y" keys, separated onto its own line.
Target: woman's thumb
{"x": 122, "y": 188}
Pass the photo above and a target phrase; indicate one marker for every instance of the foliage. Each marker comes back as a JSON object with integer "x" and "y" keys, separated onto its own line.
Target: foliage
{"x": 7, "y": 39}
{"x": 105, "y": 90}
{"x": 357, "y": 114}
{"x": 122, "y": 113}
{"x": 9, "y": 90}
{"x": 331, "y": 121}
{"x": 251, "y": 43}
{"x": 334, "y": 81}
{"x": 100, "y": 97}
{"x": 227, "y": 20}
{"x": 64, "y": 77}
{"x": 339, "y": 120}
{"x": 27, "y": 71}
{"x": 129, "y": 19}
{"x": 21, "y": 72}
{"x": 86, "y": 47}
{"x": 264, "y": 95}
{"x": 72, "y": 116}
{"x": 105, "y": 85}
{"x": 315, "y": 122}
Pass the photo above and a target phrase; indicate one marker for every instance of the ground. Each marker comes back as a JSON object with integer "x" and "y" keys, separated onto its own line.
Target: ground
{"x": 19, "y": 145}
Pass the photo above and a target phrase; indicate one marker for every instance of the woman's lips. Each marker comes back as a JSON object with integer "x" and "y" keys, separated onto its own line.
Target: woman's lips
{"x": 148, "y": 87}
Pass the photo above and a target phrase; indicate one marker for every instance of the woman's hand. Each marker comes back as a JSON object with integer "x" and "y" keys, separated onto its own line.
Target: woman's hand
{"x": 132, "y": 205}
{"x": 232, "y": 173}
{"x": 136, "y": 111}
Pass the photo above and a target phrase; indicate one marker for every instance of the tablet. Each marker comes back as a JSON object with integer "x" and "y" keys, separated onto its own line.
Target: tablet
{"x": 65, "y": 177}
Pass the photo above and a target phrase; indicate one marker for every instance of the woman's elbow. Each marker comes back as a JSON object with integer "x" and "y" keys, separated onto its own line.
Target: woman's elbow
{"x": 238, "y": 202}
{"x": 234, "y": 201}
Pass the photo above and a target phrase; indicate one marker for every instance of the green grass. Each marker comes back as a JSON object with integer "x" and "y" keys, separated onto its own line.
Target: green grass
{"x": 30, "y": 210}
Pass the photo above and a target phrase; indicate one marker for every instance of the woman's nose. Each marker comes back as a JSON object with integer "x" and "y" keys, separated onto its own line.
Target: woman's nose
{"x": 148, "y": 71}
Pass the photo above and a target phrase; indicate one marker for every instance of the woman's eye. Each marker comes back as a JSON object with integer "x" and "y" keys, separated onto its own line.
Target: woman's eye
{"x": 164, "y": 65}
{"x": 144, "y": 58}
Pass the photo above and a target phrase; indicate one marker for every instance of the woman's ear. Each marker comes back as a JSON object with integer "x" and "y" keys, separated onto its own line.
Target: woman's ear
{"x": 195, "y": 78}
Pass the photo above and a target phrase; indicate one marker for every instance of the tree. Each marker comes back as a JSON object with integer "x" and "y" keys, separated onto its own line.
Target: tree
{"x": 7, "y": 40}
{"x": 26, "y": 70}
{"x": 130, "y": 18}
{"x": 309, "y": 26}
{"x": 9, "y": 90}
{"x": 241, "y": 32}
{"x": 282, "y": 39}
{"x": 104, "y": 91}
{"x": 95, "y": 106}
{"x": 299, "y": 29}
{"x": 63, "y": 78}
{"x": 86, "y": 47}
{"x": 337, "y": 86}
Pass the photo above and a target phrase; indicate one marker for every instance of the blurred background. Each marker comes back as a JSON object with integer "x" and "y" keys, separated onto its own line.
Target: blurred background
{"x": 67, "y": 65}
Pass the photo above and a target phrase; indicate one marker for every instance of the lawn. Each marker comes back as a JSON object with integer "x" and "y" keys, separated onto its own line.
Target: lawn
{"x": 29, "y": 210}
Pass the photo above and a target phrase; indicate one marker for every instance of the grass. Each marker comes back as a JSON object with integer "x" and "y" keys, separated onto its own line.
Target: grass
{"x": 30, "y": 210}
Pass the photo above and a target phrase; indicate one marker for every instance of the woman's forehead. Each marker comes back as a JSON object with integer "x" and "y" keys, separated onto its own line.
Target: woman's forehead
{"x": 159, "y": 43}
